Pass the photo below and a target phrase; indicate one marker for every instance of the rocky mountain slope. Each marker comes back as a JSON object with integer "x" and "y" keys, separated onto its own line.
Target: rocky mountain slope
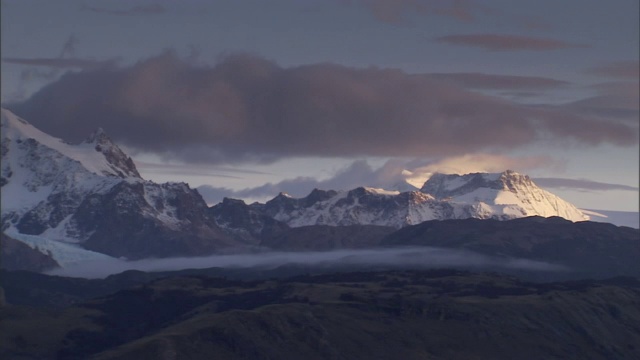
{"x": 91, "y": 196}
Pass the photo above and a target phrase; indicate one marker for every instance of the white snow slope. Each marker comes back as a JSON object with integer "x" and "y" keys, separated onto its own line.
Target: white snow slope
{"x": 63, "y": 253}
{"x": 507, "y": 194}
{"x": 36, "y": 165}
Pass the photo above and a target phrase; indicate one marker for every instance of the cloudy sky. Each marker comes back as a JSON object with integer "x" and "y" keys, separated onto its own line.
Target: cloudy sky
{"x": 249, "y": 98}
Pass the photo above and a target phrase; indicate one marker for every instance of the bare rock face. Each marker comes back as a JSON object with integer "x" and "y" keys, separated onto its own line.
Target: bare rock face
{"x": 143, "y": 219}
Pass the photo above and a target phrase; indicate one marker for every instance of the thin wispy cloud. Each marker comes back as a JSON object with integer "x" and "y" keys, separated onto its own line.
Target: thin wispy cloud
{"x": 397, "y": 11}
{"x": 405, "y": 257}
{"x": 418, "y": 173}
{"x": 62, "y": 63}
{"x": 405, "y": 12}
{"x": 505, "y": 82}
{"x": 189, "y": 168}
{"x": 150, "y": 9}
{"x": 47, "y": 69}
{"x": 627, "y": 70}
{"x": 615, "y": 100}
{"x": 581, "y": 184}
{"x": 501, "y": 42}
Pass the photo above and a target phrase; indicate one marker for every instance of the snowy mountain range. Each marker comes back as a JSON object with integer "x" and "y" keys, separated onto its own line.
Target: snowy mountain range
{"x": 83, "y": 201}
{"x": 501, "y": 196}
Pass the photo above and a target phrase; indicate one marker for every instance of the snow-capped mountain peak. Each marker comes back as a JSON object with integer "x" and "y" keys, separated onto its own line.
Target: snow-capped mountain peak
{"x": 446, "y": 185}
{"x": 106, "y": 160}
{"x": 91, "y": 195}
{"x": 117, "y": 161}
{"x": 507, "y": 194}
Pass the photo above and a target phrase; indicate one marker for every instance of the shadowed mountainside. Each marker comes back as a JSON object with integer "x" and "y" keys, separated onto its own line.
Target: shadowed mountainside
{"x": 589, "y": 248}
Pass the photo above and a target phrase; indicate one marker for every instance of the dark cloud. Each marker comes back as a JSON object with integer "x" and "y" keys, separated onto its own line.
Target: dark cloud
{"x": 136, "y": 10}
{"x": 629, "y": 70}
{"x": 580, "y": 184}
{"x": 246, "y": 108}
{"x": 506, "y": 82}
{"x": 190, "y": 169}
{"x": 62, "y": 63}
{"x": 498, "y": 42}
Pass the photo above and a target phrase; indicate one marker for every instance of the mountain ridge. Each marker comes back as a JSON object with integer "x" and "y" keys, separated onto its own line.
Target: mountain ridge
{"x": 502, "y": 196}
{"x": 75, "y": 201}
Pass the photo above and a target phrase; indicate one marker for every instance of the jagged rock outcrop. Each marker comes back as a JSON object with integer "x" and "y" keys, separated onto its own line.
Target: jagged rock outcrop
{"x": 117, "y": 161}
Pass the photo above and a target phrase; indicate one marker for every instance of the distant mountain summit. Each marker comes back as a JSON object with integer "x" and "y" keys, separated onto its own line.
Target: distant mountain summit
{"x": 116, "y": 160}
{"x": 507, "y": 194}
{"x": 500, "y": 196}
{"x": 97, "y": 154}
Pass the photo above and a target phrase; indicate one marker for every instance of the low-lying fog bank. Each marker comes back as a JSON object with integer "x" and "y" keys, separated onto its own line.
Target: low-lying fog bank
{"x": 400, "y": 257}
